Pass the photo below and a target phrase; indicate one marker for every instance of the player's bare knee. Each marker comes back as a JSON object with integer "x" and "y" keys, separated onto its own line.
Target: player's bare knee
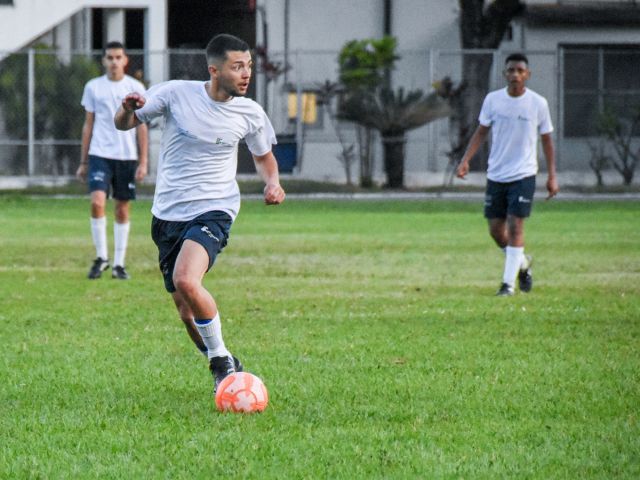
{"x": 97, "y": 209}
{"x": 185, "y": 284}
{"x": 122, "y": 212}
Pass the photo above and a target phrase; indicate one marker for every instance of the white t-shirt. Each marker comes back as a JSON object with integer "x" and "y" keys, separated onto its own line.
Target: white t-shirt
{"x": 516, "y": 123}
{"x": 199, "y": 153}
{"x": 103, "y": 97}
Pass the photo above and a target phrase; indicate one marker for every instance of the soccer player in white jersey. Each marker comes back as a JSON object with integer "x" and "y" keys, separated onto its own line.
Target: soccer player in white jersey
{"x": 197, "y": 197}
{"x": 111, "y": 160}
{"x": 516, "y": 116}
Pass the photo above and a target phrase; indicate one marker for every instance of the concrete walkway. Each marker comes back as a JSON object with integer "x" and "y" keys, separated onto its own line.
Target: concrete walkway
{"x": 453, "y": 196}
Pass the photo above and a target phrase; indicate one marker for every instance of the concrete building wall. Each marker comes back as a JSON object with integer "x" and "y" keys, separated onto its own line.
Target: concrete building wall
{"x": 428, "y": 38}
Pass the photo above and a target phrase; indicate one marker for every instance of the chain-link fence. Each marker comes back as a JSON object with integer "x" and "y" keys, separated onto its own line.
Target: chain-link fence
{"x": 41, "y": 117}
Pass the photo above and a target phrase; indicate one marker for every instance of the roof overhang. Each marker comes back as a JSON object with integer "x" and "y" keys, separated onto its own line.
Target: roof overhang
{"x": 595, "y": 15}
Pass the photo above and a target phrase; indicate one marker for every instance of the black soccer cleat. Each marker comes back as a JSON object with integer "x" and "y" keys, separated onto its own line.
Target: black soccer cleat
{"x": 237, "y": 364}
{"x": 99, "y": 266}
{"x": 505, "y": 290}
{"x": 525, "y": 277}
{"x": 221, "y": 367}
{"x": 119, "y": 273}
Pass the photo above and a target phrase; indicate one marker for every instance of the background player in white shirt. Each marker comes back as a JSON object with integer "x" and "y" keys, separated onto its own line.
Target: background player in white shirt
{"x": 197, "y": 196}
{"x": 516, "y": 115}
{"x": 112, "y": 160}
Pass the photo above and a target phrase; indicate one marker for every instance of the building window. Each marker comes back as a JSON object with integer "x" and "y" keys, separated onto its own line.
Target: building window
{"x": 598, "y": 78}
{"x": 311, "y": 113}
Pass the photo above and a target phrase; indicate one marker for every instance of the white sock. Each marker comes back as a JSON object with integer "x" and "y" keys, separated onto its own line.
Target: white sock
{"x": 121, "y": 238}
{"x": 512, "y": 264}
{"x": 211, "y": 333}
{"x": 99, "y": 235}
{"x": 525, "y": 260}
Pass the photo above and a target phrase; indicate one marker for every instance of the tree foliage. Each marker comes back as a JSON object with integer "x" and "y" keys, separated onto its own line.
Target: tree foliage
{"x": 363, "y": 63}
{"x": 483, "y": 26}
{"x": 57, "y": 110}
{"x": 394, "y": 112}
{"x": 370, "y": 102}
{"x": 621, "y": 131}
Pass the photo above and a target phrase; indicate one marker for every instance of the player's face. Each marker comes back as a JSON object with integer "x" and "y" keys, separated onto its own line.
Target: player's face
{"x": 114, "y": 62}
{"x": 234, "y": 74}
{"x": 517, "y": 73}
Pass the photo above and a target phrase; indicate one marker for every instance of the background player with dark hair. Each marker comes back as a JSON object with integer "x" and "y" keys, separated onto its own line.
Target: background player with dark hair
{"x": 516, "y": 116}
{"x": 112, "y": 160}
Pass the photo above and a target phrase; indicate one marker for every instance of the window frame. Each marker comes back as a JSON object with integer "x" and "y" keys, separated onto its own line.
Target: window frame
{"x": 601, "y": 91}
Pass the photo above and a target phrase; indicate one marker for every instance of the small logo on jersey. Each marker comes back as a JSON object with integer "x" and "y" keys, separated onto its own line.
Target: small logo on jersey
{"x": 206, "y": 230}
{"x": 520, "y": 117}
{"x": 521, "y": 199}
{"x": 132, "y": 186}
{"x": 219, "y": 141}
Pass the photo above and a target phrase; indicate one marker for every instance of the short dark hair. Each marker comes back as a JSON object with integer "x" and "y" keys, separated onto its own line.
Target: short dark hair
{"x": 111, "y": 45}
{"x": 517, "y": 57}
{"x": 219, "y": 45}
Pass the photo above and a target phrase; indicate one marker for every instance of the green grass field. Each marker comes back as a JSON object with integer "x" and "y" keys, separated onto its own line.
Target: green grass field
{"x": 373, "y": 325}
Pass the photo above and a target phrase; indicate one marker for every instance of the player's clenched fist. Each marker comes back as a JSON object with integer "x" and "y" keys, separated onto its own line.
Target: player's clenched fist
{"x": 273, "y": 194}
{"x": 133, "y": 101}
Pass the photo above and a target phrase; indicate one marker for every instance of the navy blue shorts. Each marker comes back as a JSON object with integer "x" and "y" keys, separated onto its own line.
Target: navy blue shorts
{"x": 106, "y": 174}
{"x": 211, "y": 230}
{"x": 513, "y": 198}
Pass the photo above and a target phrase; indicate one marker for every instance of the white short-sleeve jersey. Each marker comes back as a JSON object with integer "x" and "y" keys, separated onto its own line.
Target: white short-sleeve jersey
{"x": 516, "y": 123}
{"x": 199, "y": 152}
{"x": 103, "y": 97}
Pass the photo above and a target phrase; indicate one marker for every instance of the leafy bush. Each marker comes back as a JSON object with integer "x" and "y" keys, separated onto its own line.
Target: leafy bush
{"x": 57, "y": 111}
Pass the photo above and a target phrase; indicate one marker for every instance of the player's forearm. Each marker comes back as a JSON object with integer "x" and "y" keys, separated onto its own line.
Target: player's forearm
{"x": 142, "y": 133}
{"x": 125, "y": 119}
{"x": 84, "y": 148}
{"x": 476, "y": 141}
{"x": 549, "y": 154}
{"x": 267, "y": 167}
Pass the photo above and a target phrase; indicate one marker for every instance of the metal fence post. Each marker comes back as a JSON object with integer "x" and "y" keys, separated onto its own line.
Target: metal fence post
{"x": 559, "y": 137}
{"x": 432, "y": 131}
{"x": 299, "y": 114}
{"x": 31, "y": 89}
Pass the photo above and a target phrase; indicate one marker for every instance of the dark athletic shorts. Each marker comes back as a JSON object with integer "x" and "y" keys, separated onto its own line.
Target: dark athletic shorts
{"x": 513, "y": 198}
{"x": 106, "y": 174}
{"x": 211, "y": 230}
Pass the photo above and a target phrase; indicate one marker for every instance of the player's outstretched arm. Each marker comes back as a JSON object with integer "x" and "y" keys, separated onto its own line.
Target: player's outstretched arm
{"x": 267, "y": 167}
{"x": 550, "y": 155}
{"x": 477, "y": 139}
{"x": 125, "y": 119}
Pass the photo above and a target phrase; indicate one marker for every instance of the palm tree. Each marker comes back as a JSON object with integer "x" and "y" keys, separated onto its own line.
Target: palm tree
{"x": 393, "y": 114}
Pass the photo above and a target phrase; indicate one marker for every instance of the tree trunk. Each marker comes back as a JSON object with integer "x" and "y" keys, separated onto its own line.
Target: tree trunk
{"x": 394, "y": 159}
{"x": 476, "y": 71}
{"x": 481, "y": 27}
{"x": 365, "y": 146}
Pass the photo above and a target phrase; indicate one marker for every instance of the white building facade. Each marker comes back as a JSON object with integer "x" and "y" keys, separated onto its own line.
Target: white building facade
{"x": 582, "y": 55}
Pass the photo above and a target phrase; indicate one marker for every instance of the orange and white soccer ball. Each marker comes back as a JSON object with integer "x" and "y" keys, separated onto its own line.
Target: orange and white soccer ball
{"x": 241, "y": 392}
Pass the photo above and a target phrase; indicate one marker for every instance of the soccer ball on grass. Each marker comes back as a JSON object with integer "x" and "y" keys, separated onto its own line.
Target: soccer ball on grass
{"x": 241, "y": 392}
